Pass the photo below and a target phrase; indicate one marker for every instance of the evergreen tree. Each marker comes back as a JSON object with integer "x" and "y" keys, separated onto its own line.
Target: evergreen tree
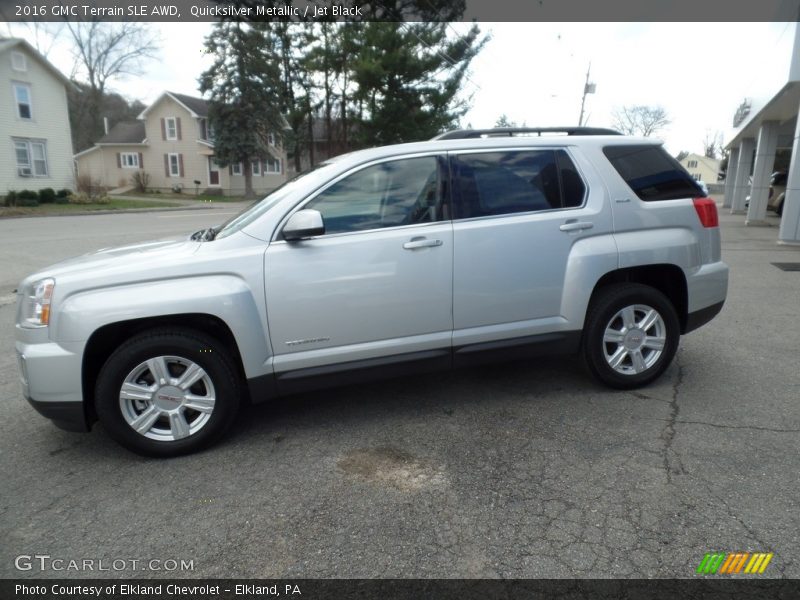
{"x": 244, "y": 86}
{"x": 409, "y": 78}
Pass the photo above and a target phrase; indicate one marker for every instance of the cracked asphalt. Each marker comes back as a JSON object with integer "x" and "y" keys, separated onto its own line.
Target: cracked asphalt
{"x": 523, "y": 470}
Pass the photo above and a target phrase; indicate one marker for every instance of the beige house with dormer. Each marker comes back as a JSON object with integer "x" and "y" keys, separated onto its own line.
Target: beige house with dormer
{"x": 36, "y": 148}
{"x": 701, "y": 168}
{"x": 173, "y": 144}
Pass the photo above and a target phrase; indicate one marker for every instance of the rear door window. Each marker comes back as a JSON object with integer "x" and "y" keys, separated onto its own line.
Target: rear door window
{"x": 515, "y": 181}
{"x": 652, "y": 173}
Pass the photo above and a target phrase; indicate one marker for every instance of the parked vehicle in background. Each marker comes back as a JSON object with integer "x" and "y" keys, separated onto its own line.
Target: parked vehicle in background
{"x": 777, "y": 191}
{"x": 478, "y": 245}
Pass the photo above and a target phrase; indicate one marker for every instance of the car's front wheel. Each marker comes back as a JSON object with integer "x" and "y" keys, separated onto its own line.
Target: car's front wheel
{"x": 167, "y": 392}
{"x": 631, "y": 335}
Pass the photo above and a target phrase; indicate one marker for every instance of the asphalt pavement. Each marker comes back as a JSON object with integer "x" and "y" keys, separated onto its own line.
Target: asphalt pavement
{"x": 524, "y": 470}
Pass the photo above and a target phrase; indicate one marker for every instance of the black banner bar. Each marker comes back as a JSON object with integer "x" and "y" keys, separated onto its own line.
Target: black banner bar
{"x": 700, "y": 588}
{"x": 401, "y": 10}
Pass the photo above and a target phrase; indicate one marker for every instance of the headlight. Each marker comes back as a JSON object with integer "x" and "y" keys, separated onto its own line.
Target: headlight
{"x": 36, "y": 303}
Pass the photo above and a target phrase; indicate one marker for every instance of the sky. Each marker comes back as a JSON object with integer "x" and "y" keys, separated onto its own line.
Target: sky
{"x": 535, "y": 72}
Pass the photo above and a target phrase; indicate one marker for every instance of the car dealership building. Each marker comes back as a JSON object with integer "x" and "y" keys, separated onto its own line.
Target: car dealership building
{"x": 765, "y": 139}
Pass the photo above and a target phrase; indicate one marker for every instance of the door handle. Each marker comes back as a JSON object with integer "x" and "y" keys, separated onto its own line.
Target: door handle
{"x": 575, "y": 225}
{"x": 421, "y": 242}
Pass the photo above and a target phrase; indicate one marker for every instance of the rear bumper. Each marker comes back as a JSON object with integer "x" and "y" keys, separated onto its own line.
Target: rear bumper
{"x": 707, "y": 288}
{"x": 700, "y": 317}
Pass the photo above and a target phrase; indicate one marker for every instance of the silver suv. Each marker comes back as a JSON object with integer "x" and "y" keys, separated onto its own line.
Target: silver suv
{"x": 474, "y": 246}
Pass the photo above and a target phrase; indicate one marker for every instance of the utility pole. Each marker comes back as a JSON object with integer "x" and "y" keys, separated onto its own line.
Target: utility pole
{"x": 588, "y": 88}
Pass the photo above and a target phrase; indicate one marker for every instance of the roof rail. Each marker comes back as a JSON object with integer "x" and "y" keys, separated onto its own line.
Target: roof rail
{"x": 463, "y": 134}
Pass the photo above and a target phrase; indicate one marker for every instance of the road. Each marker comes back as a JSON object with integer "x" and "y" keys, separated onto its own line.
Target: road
{"x": 518, "y": 470}
{"x": 27, "y": 244}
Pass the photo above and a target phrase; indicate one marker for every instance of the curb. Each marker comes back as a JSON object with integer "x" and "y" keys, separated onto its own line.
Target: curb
{"x": 109, "y": 212}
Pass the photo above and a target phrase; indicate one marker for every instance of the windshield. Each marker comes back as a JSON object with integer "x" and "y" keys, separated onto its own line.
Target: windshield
{"x": 258, "y": 208}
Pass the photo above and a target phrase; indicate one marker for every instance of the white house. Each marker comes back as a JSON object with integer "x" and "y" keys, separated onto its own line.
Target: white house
{"x": 36, "y": 148}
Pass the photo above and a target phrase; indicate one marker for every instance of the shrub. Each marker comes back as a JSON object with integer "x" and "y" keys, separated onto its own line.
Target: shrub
{"x": 47, "y": 196}
{"x": 80, "y": 198}
{"x": 10, "y": 199}
{"x": 84, "y": 198}
{"x": 62, "y": 196}
{"x": 91, "y": 188}
{"x": 140, "y": 180}
{"x": 27, "y": 198}
{"x": 83, "y": 183}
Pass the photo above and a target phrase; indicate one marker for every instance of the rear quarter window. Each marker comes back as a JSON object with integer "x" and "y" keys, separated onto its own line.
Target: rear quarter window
{"x": 651, "y": 173}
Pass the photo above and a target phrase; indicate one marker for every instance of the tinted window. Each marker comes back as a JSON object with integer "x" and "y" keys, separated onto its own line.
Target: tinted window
{"x": 401, "y": 192}
{"x": 498, "y": 183}
{"x": 652, "y": 173}
{"x": 572, "y": 188}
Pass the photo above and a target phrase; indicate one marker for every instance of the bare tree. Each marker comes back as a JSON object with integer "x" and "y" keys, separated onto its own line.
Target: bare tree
{"x": 713, "y": 144}
{"x": 42, "y": 35}
{"x": 106, "y": 51}
{"x": 640, "y": 119}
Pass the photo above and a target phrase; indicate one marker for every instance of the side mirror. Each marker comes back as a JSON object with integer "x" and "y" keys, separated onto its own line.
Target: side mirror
{"x": 303, "y": 224}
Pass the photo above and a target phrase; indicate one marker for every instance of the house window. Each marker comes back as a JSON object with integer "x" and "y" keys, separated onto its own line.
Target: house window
{"x": 129, "y": 160}
{"x": 271, "y": 139}
{"x": 31, "y": 158}
{"x": 697, "y": 176}
{"x": 22, "y": 95}
{"x": 236, "y": 169}
{"x": 256, "y": 168}
{"x": 273, "y": 165}
{"x": 174, "y": 166}
{"x": 18, "y": 61}
{"x": 692, "y": 164}
{"x": 172, "y": 128}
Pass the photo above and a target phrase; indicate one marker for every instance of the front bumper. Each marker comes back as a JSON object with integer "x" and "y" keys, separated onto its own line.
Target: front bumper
{"x": 69, "y": 416}
{"x": 50, "y": 375}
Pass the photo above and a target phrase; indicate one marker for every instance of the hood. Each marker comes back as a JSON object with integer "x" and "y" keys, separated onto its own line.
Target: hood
{"x": 105, "y": 263}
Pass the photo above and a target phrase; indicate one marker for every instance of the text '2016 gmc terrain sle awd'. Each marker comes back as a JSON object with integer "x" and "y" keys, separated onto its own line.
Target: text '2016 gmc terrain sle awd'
{"x": 474, "y": 246}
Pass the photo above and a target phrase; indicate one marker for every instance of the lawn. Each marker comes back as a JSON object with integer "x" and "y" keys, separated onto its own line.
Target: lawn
{"x": 66, "y": 209}
{"x": 187, "y": 196}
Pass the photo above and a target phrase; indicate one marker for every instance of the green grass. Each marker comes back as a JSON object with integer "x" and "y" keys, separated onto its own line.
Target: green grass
{"x": 65, "y": 209}
{"x": 188, "y": 196}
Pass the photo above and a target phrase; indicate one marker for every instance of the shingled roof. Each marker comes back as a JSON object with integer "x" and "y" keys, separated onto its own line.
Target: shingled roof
{"x": 124, "y": 132}
{"x": 196, "y": 105}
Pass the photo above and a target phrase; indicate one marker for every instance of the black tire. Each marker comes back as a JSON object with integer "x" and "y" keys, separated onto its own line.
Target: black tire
{"x": 178, "y": 348}
{"x": 607, "y": 303}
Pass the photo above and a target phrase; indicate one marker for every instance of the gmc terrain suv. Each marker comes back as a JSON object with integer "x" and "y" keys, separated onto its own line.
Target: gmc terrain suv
{"x": 477, "y": 245}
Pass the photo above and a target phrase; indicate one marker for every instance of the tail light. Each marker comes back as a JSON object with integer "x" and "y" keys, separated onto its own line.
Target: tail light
{"x": 707, "y": 211}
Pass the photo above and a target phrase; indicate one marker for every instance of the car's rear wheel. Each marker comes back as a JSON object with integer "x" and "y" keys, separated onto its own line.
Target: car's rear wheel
{"x": 167, "y": 392}
{"x": 631, "y": 335}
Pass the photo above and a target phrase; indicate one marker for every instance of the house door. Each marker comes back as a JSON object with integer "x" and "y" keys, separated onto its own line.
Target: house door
{"x": 213, "y": 172}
